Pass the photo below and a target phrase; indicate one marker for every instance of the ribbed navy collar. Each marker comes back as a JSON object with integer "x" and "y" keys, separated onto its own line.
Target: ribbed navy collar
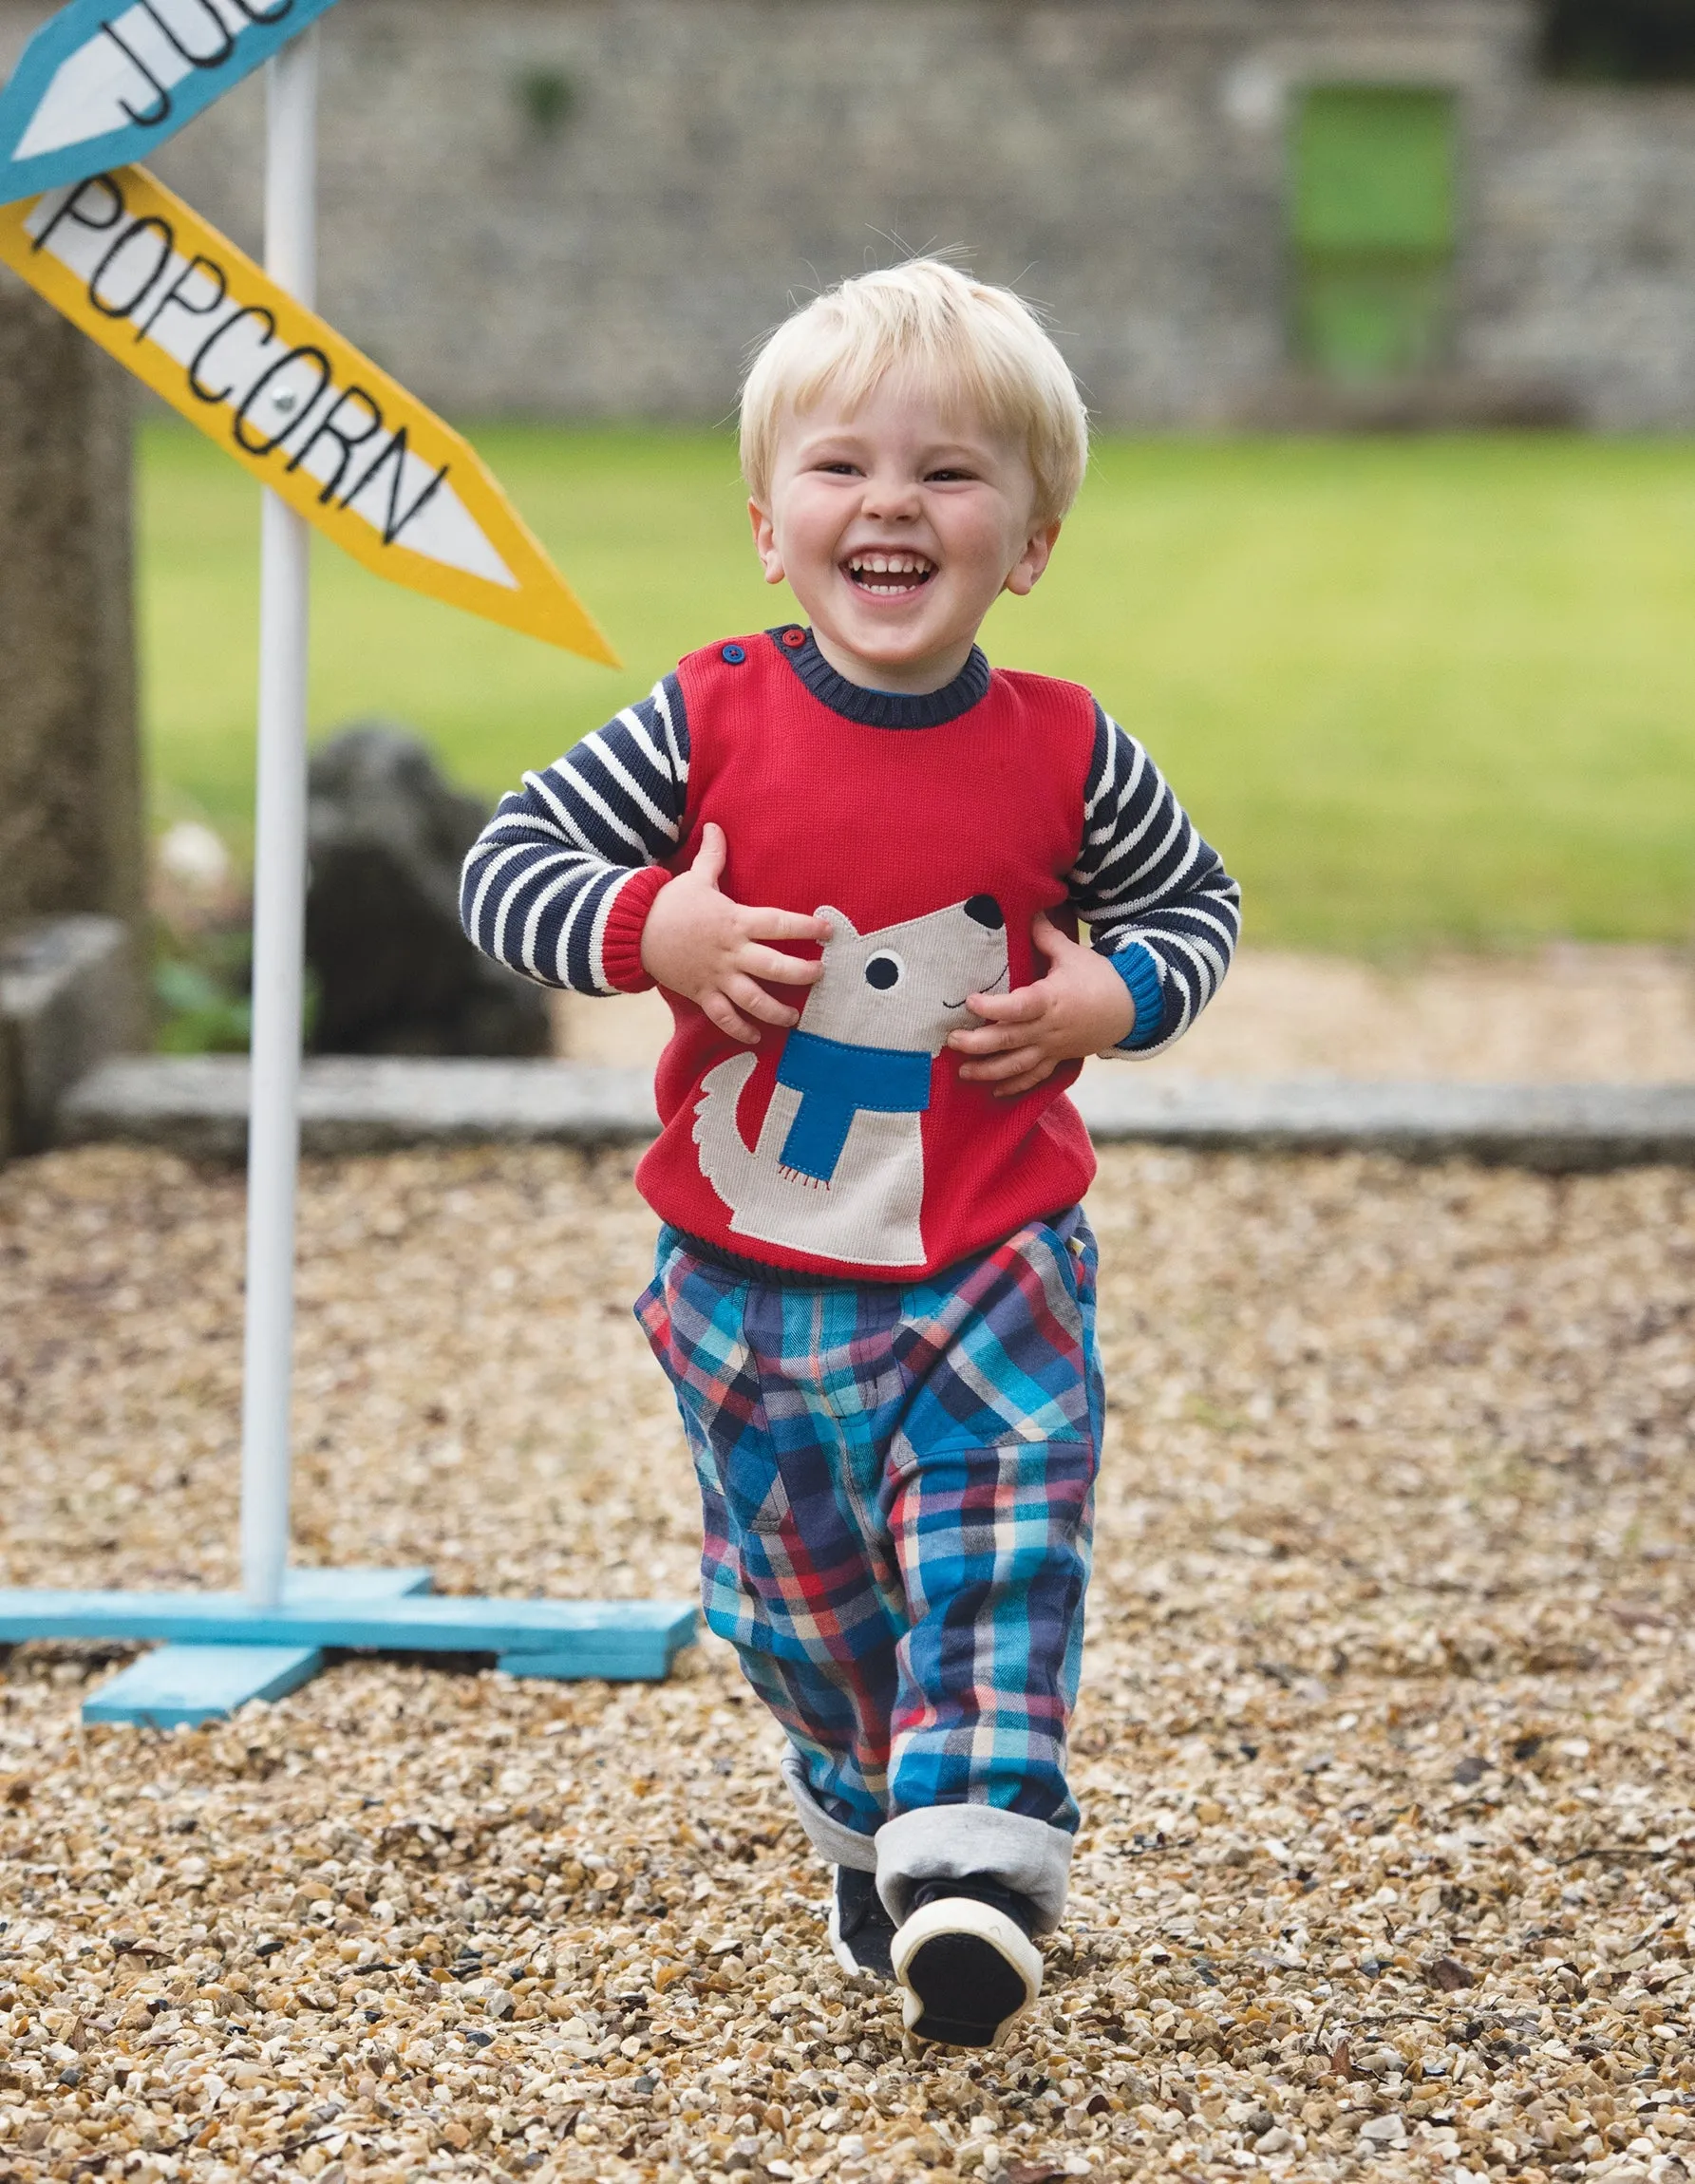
{"x": 883, "y": 709}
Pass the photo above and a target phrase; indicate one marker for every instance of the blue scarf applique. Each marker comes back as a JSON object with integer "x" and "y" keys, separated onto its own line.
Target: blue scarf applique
{"x": 835, "y": 1083}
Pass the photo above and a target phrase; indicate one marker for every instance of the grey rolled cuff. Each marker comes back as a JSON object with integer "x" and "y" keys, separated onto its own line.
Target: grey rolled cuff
{"x": 948, "y": 1842}
{"x": 941, "y": 1843}
{"x": 832, "y": 1839}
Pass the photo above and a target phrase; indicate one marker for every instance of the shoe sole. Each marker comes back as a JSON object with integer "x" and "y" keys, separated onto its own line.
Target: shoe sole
{"x": 968, "y": 1973}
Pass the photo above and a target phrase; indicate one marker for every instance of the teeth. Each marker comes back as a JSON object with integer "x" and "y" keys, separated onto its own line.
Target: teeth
{"x": 889, "y": 565}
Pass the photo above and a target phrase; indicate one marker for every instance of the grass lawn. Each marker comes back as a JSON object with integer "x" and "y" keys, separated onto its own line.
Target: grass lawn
{"x": 1417, "y": 691}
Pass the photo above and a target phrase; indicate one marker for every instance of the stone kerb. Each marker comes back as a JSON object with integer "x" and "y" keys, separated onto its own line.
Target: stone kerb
{"x": 198, "y": 1106}
{"x": 64, "y": 983}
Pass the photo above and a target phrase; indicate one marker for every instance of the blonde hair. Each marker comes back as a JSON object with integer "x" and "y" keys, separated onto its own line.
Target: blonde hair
{"x": 981, "y": 349}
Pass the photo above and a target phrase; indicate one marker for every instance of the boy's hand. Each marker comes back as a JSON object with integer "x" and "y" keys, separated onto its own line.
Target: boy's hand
{"x": 1079, "y": 1008}
{"x": 698, "y": 943}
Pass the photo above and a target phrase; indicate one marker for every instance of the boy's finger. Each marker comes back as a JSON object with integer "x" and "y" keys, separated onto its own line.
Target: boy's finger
{"x": 767, "y": 923}
{"x": 1022, "y": 1006}
{"x": 757, "y": 1002}
{"x": 710, "y": 858}
{"x": 1048, "y": 938}
{"x": 728, "y": 1019}
{"x": 781, "y": 969}
{"x": 989, "y": 1038}
{"x": 1029, "y": 1081}
{"x": 1003, "y": 1066}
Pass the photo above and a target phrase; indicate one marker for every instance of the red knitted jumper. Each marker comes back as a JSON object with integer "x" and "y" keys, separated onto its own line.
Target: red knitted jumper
{"x": 850, "y": 1146}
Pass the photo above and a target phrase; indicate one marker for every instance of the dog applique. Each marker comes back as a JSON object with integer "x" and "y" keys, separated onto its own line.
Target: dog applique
{"x": 839, "y": 1169}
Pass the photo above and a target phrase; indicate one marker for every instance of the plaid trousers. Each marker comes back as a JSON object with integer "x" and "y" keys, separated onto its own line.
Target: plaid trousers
{"x": 897, "y": 1489}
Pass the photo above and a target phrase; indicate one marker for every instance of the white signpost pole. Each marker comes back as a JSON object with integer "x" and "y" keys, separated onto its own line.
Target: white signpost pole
{"x": 279, "y": 881}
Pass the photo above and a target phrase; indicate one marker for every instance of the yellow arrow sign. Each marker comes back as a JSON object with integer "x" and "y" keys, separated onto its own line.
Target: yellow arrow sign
{"x": 179, "y": 306}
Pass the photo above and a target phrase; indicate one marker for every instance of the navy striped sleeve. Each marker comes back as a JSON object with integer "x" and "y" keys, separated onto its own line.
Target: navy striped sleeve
{"x": 554, "y": 885}
{"x": 1151, "y": 889}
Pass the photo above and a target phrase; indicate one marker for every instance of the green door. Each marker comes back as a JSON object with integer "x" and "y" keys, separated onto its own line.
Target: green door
{"x": 1373, "y": 218}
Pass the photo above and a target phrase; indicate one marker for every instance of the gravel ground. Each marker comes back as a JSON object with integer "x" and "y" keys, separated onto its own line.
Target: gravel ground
{"x": 1564, "y": 1013}
{"x": 1383, "y": 1754}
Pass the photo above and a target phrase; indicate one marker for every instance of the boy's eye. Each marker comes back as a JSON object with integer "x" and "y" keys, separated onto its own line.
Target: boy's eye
{"x": 950, "y": 476}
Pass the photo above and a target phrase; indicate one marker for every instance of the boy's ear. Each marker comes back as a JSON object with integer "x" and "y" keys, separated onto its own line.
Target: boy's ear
{"x": 765, "y": 543}
{"x": 1037, "y": 552}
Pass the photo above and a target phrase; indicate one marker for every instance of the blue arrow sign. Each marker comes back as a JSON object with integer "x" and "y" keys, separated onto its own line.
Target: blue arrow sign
{"x": 105, "y": 82}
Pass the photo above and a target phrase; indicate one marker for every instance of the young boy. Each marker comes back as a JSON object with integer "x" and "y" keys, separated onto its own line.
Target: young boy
{"x": 855, "y": 858}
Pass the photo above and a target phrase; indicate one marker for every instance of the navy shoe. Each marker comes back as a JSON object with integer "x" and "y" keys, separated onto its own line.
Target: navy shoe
{"x": 861, "y": 1931}
{"x": 965, "y": 1961}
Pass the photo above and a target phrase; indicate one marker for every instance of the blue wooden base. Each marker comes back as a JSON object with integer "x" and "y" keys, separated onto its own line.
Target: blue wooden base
{"x": 181, "y": 1686}
{"x": 625, "y": 1657}
{"x": 220, "y": 1651}
{"x": 434, "y": 1624}
{"x": 194, "y": 1684}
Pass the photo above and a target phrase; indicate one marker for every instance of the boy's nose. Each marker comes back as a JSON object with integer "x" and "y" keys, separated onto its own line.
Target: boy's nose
{"x": 892, "y": 496}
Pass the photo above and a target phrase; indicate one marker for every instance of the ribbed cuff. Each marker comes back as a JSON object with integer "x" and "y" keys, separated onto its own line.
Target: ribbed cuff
{"x": 621, "y": 944}
{"x": 1134, "y": 965}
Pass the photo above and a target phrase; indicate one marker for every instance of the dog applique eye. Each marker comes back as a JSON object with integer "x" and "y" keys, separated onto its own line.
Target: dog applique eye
{"x": 885, "y": 972}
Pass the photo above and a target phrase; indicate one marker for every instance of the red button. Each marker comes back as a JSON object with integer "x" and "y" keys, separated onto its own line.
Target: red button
{"x": 794, "y": 639}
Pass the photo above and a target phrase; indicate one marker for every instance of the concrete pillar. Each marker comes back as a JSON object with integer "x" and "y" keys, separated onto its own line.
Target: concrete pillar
{"x": 70, "y": 777}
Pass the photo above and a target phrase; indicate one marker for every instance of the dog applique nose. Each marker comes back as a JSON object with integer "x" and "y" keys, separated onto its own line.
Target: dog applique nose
{"x": 983, "y": 909}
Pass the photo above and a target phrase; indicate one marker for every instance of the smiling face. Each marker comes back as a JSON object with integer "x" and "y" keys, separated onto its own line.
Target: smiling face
{"x": 897, "y": 526}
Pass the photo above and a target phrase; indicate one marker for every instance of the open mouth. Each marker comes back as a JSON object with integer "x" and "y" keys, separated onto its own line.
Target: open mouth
{"x": 889, "y": 576}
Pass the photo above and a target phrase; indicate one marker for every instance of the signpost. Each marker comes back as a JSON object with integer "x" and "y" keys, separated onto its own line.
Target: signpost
{"x": 241, "y": 355}
{"x": 339, "y": 445}
{"x": 102, "y": 85}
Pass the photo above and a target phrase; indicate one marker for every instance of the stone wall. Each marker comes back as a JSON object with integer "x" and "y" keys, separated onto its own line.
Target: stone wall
{"x": 590, "y": 207}
{"x": 1582, "y": 266}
